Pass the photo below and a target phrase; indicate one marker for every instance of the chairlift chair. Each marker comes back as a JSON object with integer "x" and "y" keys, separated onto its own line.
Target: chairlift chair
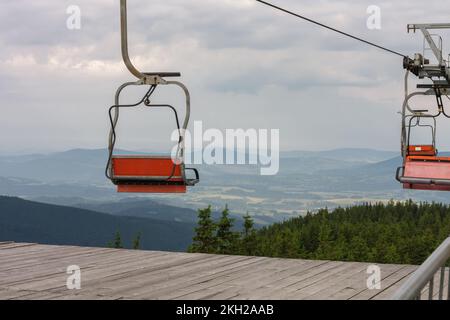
{"x": 423, "y": 168}
{"x": 147, "y": 173}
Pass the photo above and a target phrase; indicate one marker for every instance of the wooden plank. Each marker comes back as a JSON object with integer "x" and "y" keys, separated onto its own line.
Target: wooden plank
{"x": 328, "y": 286}
{"x": 16, "y": 253}
{"x": 320, "y": 286}
{"x": 236, "y": 285}
{"x": 39, "y": 252}
{"x": 51, "y": 293}
{"x": 355, "y": 286}
{"x": 279, "y": 285}
{"x": 101, "y": 291}
{"x": 161, "y": 268}
{"x": 56, "y": 267}
{"x": 265, "y": 280}
{"x": 53, "y": 256}
{"x": 122, "y": 269}
{"x": 349, "y": 280}
{"x": 389, "y": 291}
{"x": 83, "y": 296}
{"x": 283, "y": 289}
{"x": 16, "y": 245}
{"x": 243, "y": 270}
{"x": 302, "y": 289}
{"x": 48, "y": 259}
{"x": 271, "y": 281}
{"x": 389, "y": 275}
{"x": 179, "y": 273}
{"x": 31, "y": 271}
{"x": 50, "y": 266}
{"x": 7, "y": 294}
{"x": 389, "y": 285}
{"x": 152, "y": 279}
{"x": 66, "y": 295}
{"x": 200, "y": 290}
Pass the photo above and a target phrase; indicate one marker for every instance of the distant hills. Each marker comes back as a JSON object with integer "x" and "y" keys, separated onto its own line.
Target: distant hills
{"x": 308, "y": 180}
{"x": 363, "y": 155}
{"x": 78, "y": 165}
{"x": 145, "y": 208}
{"x": 69, "y": 201}
{"x": 88, "y": 166}
{"x": 29, "y": 221}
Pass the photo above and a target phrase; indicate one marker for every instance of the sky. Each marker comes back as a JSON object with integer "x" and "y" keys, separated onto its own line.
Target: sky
{"x": 246, "y": 66}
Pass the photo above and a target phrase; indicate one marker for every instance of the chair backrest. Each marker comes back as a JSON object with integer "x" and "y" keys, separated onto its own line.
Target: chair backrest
{"x": 153, "y": 167}
{"x": 422, "y": 150}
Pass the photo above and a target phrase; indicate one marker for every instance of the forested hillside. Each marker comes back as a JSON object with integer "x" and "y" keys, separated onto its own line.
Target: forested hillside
{"x": 383, "y": 233}
{"x": 29, "y": 221}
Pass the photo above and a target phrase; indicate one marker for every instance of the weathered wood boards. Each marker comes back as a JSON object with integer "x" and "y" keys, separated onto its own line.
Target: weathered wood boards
{"x": 33, "y": 271}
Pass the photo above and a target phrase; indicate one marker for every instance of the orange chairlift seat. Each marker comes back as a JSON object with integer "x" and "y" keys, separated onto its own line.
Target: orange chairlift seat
{"x": 423, "y": 169}
{"x": 147, "y": 173}
{"x": 150, "y": 174}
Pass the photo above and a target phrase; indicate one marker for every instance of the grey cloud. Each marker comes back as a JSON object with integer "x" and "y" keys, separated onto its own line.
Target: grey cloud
{"x": 233, "y": 58}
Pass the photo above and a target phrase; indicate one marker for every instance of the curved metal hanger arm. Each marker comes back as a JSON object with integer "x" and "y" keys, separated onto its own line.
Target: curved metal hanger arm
{"x": 124, "y": 41}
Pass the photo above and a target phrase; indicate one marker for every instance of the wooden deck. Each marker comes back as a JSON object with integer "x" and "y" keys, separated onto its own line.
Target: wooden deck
{"x": 33, "y": 271}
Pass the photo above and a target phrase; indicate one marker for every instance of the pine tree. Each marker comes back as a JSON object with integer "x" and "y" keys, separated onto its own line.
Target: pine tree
{"x": 226, "y": 237}
{"x": 249, "y": 243}
{"x": 205, "y": 240}
{"x": 248, "y": 225}
{"x": 117, "y": 242}
{"x": 137, "y": 241}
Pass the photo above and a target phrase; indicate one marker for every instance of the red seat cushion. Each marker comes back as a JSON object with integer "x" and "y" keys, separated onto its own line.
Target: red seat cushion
{"x": 151, "y": 188}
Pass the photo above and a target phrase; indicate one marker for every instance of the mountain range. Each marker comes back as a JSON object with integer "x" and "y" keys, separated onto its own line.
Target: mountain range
{"x": 307, "y": 180}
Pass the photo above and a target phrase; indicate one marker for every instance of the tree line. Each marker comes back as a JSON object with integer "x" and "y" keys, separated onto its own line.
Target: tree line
{"x": 117, "y": 242}
{"x": 393, "y": 232}
{"x": 220, "y": 237}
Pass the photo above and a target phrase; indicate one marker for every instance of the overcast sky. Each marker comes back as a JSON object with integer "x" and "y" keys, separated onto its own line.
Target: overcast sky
{"x": 246, "y": 66}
